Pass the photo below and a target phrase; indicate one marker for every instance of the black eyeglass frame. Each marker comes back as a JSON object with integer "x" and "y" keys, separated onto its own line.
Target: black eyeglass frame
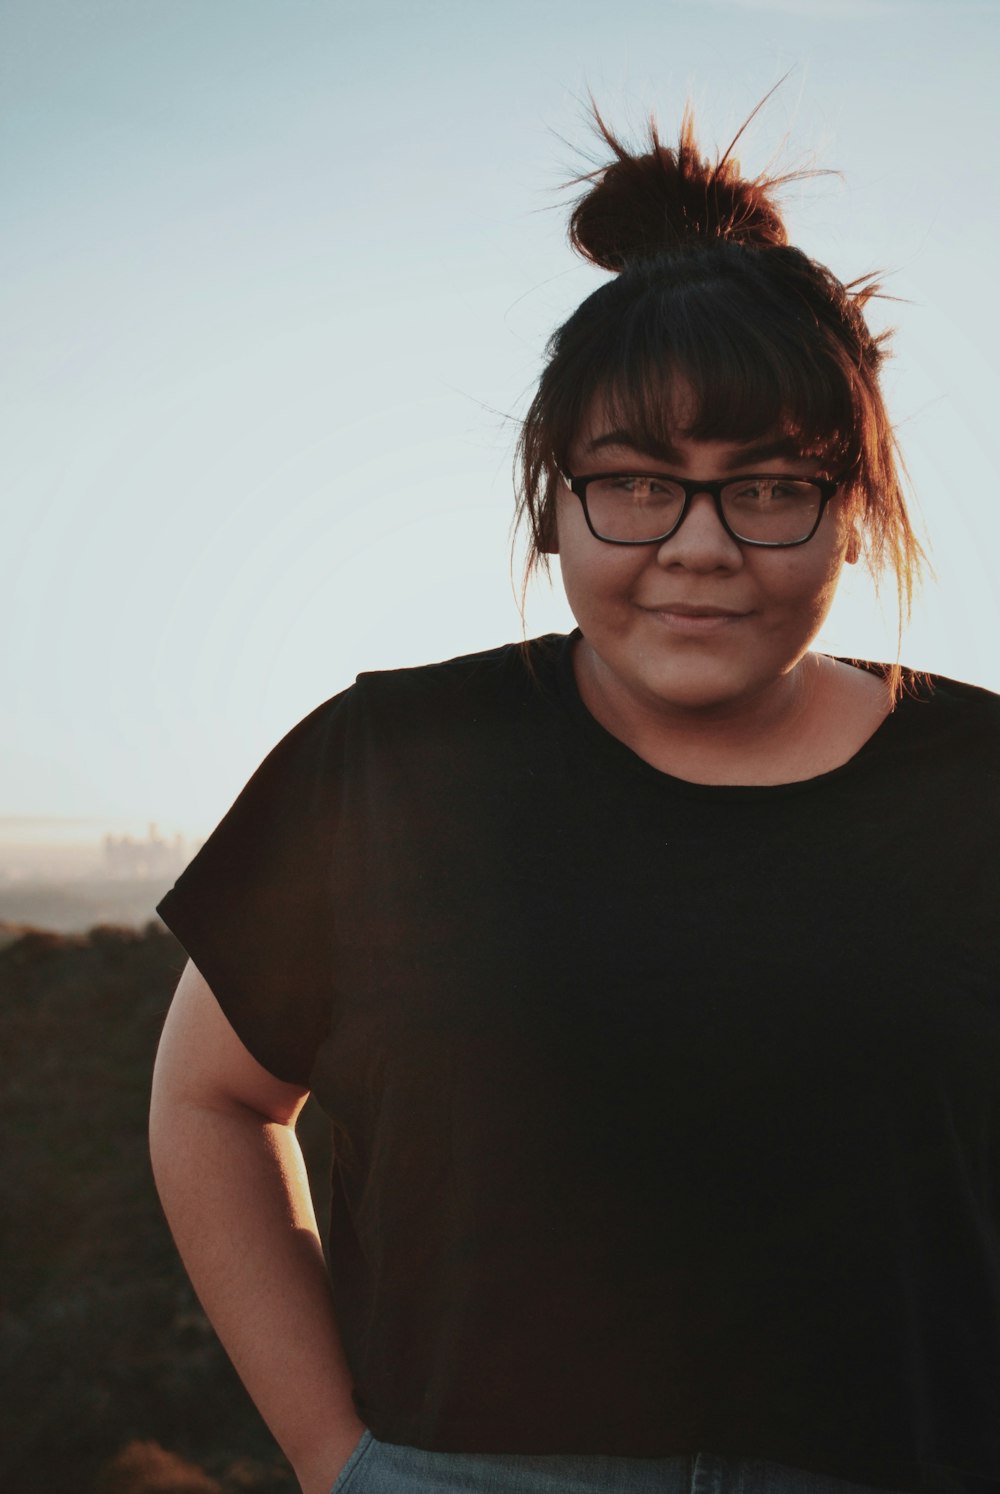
{"x": 713, "y": 487}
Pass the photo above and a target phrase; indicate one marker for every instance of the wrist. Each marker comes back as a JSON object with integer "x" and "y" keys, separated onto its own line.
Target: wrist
{"x": 318, "y": 1470}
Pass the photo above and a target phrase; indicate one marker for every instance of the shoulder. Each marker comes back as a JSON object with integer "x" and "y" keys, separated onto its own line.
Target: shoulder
{"x": 948, "y": 698}
{"x": 952, "y": 698}
{"x": 950, "y": 719}
{"x": 385, "y": 709}
{"x": 497, "y": 680}
{"x": 510, "y": 663}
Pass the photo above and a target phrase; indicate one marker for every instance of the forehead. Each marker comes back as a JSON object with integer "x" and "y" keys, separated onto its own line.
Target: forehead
{"x": 602, "y": 440}
{"x": 669, "y": 422}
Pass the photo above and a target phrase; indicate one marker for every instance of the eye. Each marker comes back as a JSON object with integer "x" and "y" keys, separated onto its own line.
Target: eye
{"x": 642, "y": 486}
{"x": 770, "y": 491}
{"x": 789, "y": 489}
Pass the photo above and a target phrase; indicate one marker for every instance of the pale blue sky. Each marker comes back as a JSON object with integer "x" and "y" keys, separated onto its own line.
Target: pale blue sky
{"x": 278, "y": 279}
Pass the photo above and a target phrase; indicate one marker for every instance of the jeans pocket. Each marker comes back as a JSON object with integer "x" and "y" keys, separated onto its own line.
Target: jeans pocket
{"x": 349, "y": 1469}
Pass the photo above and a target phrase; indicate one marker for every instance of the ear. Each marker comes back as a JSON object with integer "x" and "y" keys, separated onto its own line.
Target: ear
{"x": 853, "y": 553}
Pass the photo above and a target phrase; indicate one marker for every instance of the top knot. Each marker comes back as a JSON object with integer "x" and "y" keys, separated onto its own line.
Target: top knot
{"x": 670, "y": 198}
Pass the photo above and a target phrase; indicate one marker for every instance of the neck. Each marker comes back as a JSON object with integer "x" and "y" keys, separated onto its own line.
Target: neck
{"x": 809, "y": 721}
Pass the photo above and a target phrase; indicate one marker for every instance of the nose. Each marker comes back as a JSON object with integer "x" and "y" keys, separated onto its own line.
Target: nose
{"x": 701, "y": 543}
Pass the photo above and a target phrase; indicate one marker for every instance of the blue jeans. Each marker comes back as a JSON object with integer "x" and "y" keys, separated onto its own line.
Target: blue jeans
{"x": 385, "y": 1468}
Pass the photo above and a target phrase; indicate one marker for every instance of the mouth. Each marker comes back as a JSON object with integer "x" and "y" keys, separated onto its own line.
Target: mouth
{"x": 680, "y": 617}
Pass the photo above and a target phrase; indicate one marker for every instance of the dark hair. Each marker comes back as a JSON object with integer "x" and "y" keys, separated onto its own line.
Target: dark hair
{"x": 710, "y": 300}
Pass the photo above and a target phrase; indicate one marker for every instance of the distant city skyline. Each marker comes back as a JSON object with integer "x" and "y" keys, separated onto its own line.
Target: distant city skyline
{"x": 279, "y": 279}
{"x": 54, "y": 853}
{"x": 70, "y": 830}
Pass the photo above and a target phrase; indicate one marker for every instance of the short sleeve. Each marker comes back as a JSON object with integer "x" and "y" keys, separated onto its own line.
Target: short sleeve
{"x": 254, "y": 909}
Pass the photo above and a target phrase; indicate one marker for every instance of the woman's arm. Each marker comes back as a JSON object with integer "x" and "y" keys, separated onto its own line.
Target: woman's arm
{"x": 233, "y": 1186}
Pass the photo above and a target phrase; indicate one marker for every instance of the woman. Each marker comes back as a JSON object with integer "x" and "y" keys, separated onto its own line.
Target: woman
{"x": 649, "y": 976}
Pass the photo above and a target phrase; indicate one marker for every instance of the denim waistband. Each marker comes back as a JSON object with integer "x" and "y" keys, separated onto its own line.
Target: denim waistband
{"x": 386, "y": 1468}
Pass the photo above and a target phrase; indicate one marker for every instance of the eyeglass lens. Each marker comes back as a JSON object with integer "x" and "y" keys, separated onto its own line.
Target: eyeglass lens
{"x": 777, "y": 510}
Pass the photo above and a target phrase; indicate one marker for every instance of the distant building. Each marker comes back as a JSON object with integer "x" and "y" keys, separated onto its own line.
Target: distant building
{"x": 126, "y": 859}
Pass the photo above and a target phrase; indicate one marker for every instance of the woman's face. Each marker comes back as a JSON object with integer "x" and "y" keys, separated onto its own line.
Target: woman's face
{"x": 700, "y": 623}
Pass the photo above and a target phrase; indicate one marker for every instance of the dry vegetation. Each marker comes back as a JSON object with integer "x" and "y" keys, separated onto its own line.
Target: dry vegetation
{"x": 113, "y": 1382}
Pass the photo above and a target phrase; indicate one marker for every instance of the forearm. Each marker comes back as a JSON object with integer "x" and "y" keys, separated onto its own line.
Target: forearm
{"x": 235, "y": 1192}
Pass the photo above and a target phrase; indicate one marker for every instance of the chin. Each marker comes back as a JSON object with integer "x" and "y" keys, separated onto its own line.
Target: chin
{"x": 698, "y": 686}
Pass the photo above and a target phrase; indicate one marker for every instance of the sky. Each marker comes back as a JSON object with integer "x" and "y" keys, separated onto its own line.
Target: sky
{"x": 278, "y": 280}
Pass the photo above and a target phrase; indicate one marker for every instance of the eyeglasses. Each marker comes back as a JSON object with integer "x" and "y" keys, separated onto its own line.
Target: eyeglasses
{"x": 645, "y": 508}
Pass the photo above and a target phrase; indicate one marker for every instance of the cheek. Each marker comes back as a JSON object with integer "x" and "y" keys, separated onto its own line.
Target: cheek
{"x": 598, "y": 583}
{"x": 806, "y": 586}
{"x": 809, "y": 596}
{"x": 594, "y": 576}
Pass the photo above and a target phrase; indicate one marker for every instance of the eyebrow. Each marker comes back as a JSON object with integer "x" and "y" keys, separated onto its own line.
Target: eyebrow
{"x": 661, "y": 451}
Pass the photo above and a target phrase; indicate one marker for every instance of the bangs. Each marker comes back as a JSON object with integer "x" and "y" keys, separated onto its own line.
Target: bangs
{"x": 709, "y": 363}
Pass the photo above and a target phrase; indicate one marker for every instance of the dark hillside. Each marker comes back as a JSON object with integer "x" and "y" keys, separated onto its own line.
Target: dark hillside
{"x": 113, "y": 1382}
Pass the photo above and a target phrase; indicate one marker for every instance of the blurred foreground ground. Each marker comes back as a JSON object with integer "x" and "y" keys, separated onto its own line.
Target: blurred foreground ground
{"x": 112, "y": 1381}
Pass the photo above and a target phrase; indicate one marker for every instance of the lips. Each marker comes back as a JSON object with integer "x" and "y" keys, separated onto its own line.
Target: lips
{"x": 686, "y": 609}
{"x": 694, "y": 619}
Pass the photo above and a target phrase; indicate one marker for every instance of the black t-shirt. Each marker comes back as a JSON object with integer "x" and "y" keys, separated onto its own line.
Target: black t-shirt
{"x": 666, "y": 1116}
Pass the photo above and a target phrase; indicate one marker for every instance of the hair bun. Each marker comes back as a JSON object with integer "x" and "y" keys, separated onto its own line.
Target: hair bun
{"x": 670, "y": 198}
